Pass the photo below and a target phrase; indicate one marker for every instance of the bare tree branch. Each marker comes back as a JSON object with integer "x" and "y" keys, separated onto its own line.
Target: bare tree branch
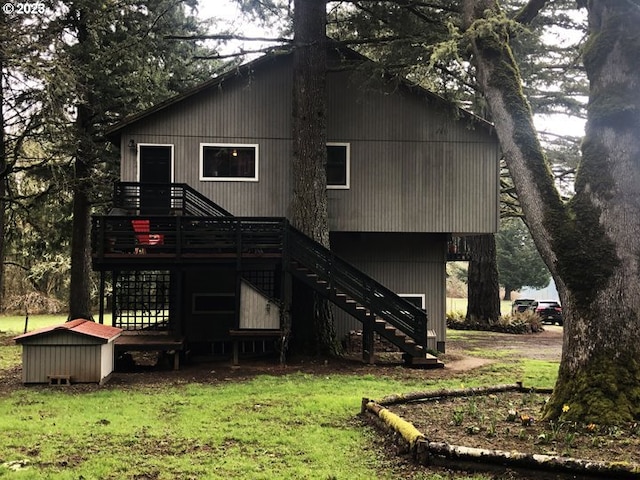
{"x": 530, "y": 11}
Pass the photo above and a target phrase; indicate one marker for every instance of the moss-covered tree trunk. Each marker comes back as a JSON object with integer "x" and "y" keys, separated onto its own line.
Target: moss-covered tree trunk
{"x": 309, "y": 201}
{"x": 483, "y": 287}
{"x": 591, "y": 244}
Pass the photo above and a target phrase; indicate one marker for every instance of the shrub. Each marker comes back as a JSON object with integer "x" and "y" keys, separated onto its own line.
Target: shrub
{"x": 34, "y": 303}
{"x": 519, "y": 323}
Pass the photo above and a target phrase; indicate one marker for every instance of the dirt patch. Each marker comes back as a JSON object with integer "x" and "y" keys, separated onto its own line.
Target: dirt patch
{"x": 546, "y": 345}
{"x": 510, "y": 422}
{"x": 463, "y": 354}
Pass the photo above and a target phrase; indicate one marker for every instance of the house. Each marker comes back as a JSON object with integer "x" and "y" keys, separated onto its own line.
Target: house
{"x": 207, "y": 176}
{"x": 79, "y": 351}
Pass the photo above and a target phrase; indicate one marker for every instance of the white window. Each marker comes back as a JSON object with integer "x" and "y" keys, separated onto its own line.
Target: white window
{"x": 418, "y": 299}
{"x": 228, "y": 162}
{"x": 338, "y": 165}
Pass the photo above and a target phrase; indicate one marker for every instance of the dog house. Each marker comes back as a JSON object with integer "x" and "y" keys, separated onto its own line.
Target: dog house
{"x": 79, "y": 351}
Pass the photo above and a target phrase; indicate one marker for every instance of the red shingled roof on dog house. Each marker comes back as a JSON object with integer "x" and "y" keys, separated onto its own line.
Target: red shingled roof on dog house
{"x": 79, "y": 351}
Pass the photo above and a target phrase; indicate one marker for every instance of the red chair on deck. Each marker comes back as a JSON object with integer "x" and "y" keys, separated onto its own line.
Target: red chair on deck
{"x": 143, "y": 235}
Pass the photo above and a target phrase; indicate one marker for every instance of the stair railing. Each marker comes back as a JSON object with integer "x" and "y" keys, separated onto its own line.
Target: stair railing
{"x": 342, "y": 276}
{"x": 183, "y": 199}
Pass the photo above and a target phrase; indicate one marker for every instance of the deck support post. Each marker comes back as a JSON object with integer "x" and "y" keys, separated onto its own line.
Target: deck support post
{"x": 368, "y": 354}
{"x": 114, "y": 296}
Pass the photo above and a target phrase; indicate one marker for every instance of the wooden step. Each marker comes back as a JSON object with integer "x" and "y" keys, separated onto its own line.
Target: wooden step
{"x": 424, "y": 360}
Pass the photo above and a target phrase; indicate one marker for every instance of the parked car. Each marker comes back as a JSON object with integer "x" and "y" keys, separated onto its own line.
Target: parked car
{"x": 548, "y": 310}
{"x": 521, "y": 304}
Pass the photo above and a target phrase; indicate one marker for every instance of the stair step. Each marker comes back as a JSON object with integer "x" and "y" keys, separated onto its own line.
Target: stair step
{"x": 424, "y": 360}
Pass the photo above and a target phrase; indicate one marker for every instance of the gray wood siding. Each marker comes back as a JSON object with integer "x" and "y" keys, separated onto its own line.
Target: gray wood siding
{"x": 82, "y": 362}
{"x": 256, "y": 310}
{"x": 414, "y": 166}
{"x": 408, "y": 264}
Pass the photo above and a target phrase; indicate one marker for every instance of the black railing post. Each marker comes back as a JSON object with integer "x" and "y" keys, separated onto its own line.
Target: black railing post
{"x": 179, "y": 232}
{"x": 368, "y": 354}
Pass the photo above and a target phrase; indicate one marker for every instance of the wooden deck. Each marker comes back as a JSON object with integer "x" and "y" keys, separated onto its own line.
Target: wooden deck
{"x": 150, "y": 342}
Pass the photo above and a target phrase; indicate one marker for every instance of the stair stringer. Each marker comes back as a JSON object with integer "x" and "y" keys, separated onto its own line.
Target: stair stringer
{"x": 415, "y": 352}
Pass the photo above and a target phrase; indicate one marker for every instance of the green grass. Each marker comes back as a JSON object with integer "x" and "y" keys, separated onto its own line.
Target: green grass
{"x": 12, "y": 325}
{"x": 15, "y": 324}
{"x": 295, "y": 426}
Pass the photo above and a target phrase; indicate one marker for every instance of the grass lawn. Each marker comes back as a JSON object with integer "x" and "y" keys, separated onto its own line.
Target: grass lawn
{"x": 292, "y": 426}
{"x": 15, "y": 324}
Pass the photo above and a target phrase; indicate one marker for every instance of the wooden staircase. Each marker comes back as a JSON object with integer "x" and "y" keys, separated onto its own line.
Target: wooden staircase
{"x": 380, "y": 310}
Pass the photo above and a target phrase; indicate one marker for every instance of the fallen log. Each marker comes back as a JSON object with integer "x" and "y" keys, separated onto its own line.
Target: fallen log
{"x": 443, "y": 393}
{"x": 533, "y": 461}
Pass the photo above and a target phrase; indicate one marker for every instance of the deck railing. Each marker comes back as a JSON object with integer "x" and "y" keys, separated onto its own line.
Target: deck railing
{"x": 177, "y": 236}
{"x": 162, "y": 199}
{"x": 344, "y": 277}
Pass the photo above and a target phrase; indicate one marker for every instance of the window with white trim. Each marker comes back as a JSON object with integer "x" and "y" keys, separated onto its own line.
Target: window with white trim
{"x": 229, "y": 162}
{"x": 417, "y": 299}
{"x": 338, "y": 165}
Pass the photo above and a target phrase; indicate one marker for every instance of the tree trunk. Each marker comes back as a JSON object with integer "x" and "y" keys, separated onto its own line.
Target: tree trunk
{"x": 507, "y": 292}
{"x": 3, "y": 180}
{"x": 590, "y": 244}
{"x": 309, "y": 201}
{"x": 80, "y": 284}
{"x": 483, "y": 288}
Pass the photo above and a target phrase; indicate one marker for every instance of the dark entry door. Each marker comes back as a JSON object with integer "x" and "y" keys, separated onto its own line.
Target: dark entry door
{"x": 155, "y": 179}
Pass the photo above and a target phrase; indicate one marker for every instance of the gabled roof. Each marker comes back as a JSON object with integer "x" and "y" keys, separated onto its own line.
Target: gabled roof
{"x": 79, "y": 326}
{"x": 248, "y": 67}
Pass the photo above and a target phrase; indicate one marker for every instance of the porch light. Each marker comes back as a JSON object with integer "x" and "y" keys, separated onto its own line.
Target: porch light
{"x": 132, "y": 144}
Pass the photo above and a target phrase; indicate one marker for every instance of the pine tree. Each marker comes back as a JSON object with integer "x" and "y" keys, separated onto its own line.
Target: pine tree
{"x": 118, "y": 62}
